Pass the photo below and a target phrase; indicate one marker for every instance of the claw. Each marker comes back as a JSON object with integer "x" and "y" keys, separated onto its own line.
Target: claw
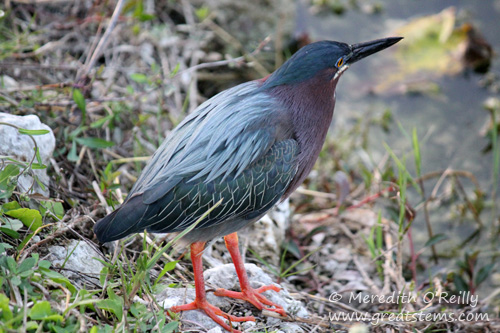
{"x": 254, "y": 297}
{"x": 247, "y": 293}
{"x": 213, "y": 312}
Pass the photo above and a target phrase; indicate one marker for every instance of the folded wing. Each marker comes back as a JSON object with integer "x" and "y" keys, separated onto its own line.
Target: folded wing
{"x": 233, "y": 147}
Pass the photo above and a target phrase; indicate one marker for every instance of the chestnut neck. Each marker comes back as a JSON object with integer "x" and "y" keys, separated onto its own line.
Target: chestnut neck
{"x": 310, "y": 106}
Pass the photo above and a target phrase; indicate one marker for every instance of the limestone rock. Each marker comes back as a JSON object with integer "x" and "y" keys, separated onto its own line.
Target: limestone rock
{"x": 178, "y": 296}
{"x": 215, "y": 330}
{"x": 290, "y": 328}
{"x": 80, "y": 268}
{"x": 20, "y": 147}
{"x": 267, "y": 235}
{"x": 224, "y": 276}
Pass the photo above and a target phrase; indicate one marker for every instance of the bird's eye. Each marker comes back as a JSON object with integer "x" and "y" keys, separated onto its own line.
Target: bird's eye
{"x": 340, "y": 62}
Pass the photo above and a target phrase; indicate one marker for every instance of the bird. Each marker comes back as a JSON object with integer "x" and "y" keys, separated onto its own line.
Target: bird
{"x": 249, "y": 146}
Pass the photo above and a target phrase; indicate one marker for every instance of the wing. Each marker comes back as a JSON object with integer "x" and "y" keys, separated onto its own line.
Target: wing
{"x": 225, "y": 134}
{"x": 245, "y": 196}
{"x": 225, "y": 139}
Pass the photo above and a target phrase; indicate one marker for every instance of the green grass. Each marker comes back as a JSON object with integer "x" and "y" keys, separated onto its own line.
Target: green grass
{"x": 286, "y": 268}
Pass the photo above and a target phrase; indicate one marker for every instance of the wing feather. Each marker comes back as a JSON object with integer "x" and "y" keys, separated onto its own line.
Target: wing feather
{"x": 244, "y": 197}
{"x": 222, "y": 150}
{"x": 226, "y": 134}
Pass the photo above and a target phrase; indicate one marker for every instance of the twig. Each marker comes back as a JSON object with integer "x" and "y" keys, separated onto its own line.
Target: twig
{"x": 45, "y": 48}
{"x": 428, "y": 221}
{"x": 57, "y": 169}
{"x": 81, "y": 318}
{"x": 372, "y": 197}
{"x": 12, "y": 64}
{"x": 227, "y": 37}
{"x": 101, "y": 198}
{"x": 488, "y": 299}
{"x": 62, "y": 231}
{"x": 312, "y": 321}
{"x": 36, "y": 232}
{"x": 9, "y": 100}
{"x": 413, "y": 255}
{"x": 44, "y": 291}
{"x": 15, "y": 290}
{"x": 103, "y": 42}
{"x": 38, "y": 87}
{"x": 445, "y": 173}
{"x": 94, "y": 43}
{"x": 317, "y": 194}
{"x": 92, "y": 164}
{"x": 25, "y": 308}
{"x": 279, "y": 41}
{"x": 77, "y": 166}
{"x": 112, "y": 153}
{"x": 388, "y": 267}
{"x": 131, "y": 159}
{"x": 30, "y": 2}
{"x": 365, "y": 276}
{"x": 228, "y": 61}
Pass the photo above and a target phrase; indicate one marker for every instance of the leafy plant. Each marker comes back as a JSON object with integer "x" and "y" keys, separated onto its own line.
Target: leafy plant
{"x": 23, "y": 279}
{"x": 286, "y": 269}
{"x": 470, "y": 276}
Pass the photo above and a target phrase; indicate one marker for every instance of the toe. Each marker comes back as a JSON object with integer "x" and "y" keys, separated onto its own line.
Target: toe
{"x": 254, "y": 297}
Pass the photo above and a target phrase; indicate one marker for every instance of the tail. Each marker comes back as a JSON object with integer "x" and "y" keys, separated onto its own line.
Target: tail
{"x": 122, "y": 222}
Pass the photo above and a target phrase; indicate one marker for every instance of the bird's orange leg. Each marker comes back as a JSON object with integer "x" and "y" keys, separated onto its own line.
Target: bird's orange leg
{"x": 247, "y": 292}
{"x": 200, "y": 302}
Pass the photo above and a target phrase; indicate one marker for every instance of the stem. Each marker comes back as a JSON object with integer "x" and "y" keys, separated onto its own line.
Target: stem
{"x": 413, "y": 255}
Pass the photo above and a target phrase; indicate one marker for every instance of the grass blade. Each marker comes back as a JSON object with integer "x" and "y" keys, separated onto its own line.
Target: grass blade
{"x": 158, "y": 254}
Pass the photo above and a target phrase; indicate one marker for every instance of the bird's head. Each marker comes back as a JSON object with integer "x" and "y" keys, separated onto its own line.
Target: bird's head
{"x": 325, "y": 59}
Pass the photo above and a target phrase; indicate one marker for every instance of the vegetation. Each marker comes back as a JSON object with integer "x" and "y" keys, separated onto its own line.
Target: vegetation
{"x": 112, "y": 79}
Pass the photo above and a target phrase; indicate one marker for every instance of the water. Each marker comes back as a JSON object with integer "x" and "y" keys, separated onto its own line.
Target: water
{"x": 448, "y": 123}
{"x": 451, "y": 121}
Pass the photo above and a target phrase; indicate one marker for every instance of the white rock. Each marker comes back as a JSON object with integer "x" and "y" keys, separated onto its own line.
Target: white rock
{"x": 342, "y": 255}
{"x": 267, "y": 235}
{"x": 249, "y": 326}
{"x": 318, "y": 238}
{"x": 21, "y": 148}
{"x": 80, "y": 267}
{"x": 290, "y": 328}
{"x": 281, "y": 214}
{"x": 359, "y": 328}
{"x": 224, "y": 276}
{"x": 178, "y": 296}
{"x": 8, "y": 82}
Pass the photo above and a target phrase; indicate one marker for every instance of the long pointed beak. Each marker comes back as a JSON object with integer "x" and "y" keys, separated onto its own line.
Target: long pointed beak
{"x": 363, "y": 50}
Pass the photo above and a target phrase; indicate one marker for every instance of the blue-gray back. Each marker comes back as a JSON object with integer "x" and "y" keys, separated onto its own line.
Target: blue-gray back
{"x": 236, "y": 147}
{"x": 225, "y": 134}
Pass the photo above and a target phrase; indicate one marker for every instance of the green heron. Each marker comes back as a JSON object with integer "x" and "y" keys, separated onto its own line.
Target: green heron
{"x": 249, "y": 146}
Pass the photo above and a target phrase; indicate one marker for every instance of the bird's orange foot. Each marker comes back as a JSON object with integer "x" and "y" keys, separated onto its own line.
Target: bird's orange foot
{"x": 213, "y": 312}
{"x": 254, "y": 296}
